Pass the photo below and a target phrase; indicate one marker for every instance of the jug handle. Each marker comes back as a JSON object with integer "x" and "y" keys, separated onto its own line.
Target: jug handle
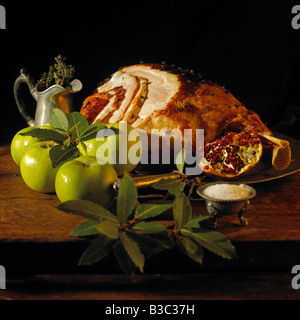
{"x": 24, "y": 78}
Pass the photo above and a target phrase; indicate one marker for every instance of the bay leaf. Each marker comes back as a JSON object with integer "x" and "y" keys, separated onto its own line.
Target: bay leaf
{"x": 152, "y": 244}
{"x": 59, "y": 120}
{"x": 87, "y": 209}
{"x": 125, "y": 262}
{"x": 190, "y": 248}
{"x": 212, "y": 241}
{"x": 46, "y": 135}
{"x": 182, "y": 211}
{"x": 97, "y": 250}
{"x": 85, "y": 228}
{"x": 148, "y": 227}
{"x": 127, "y": 198}
{"x": 180, "y": 160}
{"x": 109, "y": 228}
{"x": 173, "y": 185}
{"x": 146, "y": 210}
{"x": 60, "y": 154}
{"x": 91, "y": 131}
{"x": 195, "y": 222}
{"x": 133, "y": 251}
{"x": 77, "y": 124}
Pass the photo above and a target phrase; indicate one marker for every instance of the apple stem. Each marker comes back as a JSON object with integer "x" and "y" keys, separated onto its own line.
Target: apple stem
{"x": 85, "y": 165}
{"x": 47, "y": 145}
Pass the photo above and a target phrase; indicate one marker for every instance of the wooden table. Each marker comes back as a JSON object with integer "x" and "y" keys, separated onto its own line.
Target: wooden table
{"x": 41, "y": 260}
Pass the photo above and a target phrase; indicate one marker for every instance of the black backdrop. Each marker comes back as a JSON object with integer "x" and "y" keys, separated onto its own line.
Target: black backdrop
{"x": 250, "y": 46}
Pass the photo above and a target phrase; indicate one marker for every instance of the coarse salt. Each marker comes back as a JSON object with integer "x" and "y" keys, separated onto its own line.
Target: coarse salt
{"x": 225, "y": 191}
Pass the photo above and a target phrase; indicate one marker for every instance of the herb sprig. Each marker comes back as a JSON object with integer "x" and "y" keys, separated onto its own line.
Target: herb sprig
{"x": 132, "y": 235}
{"x": 60, "y": 73}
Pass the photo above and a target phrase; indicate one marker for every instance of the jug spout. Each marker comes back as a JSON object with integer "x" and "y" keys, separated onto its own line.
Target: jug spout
{"x": 55, "y": 96}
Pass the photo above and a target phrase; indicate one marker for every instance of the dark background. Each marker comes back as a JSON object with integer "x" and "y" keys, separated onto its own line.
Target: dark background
{"x": 248, "y": 46}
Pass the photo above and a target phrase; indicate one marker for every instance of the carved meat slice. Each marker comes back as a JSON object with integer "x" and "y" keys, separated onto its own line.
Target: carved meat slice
{"x": 158, "y": 96}
{"x": 137, "y": 102}
{"x": 162, "y": 87}
{"x": 113, "y": 99}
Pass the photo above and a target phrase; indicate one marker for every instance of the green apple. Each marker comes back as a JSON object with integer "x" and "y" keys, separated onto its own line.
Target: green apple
{"x": 85, "y": 179}
{"x": 20, "y": 144}
{"x": 36, "y": 167}
{"x": 119, "y": 145}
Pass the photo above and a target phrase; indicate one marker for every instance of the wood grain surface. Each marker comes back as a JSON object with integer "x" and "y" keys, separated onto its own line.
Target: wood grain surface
{"x": 273, "y": 215}
{"x": 36, "y": 250}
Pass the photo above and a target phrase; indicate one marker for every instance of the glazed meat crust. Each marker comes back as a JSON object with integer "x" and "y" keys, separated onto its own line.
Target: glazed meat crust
{"x": 194, "y": 103}
{"x": 159, "y": 96}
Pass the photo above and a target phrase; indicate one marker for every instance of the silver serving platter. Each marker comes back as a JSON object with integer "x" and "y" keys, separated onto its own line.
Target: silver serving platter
{"x": 263, "y": 171}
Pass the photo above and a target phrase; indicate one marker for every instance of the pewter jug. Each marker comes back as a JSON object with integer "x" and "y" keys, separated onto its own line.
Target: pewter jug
{"x": 55, "y": 96}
